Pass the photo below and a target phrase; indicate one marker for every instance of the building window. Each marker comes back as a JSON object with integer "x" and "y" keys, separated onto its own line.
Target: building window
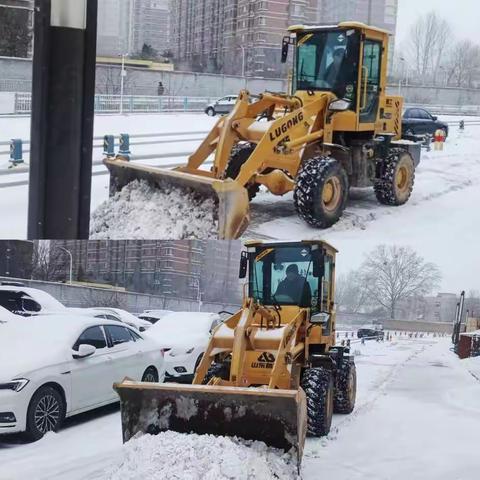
{"x": 262, "y": 21}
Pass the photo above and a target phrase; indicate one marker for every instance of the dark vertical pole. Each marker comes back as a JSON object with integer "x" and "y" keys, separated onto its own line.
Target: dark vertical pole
{"x": 62, "y": 119}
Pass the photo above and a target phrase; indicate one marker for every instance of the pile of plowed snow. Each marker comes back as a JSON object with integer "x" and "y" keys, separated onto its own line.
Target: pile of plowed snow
{"x": 140, "y": 211}
{"x": 171, "y": 455}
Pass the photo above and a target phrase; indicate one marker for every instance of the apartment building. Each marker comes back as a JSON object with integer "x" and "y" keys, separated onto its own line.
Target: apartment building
{"x": 197, "y": 269}
{"x": 235, "y": 37}
{"x": 113, "y": 37}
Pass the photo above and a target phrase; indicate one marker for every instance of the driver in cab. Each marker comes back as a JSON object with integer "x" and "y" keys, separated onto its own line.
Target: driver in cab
{"x": 295, "y": 286}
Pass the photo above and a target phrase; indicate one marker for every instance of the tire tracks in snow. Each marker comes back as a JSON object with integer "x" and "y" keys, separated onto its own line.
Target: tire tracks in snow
{"x": 379, "y": 389}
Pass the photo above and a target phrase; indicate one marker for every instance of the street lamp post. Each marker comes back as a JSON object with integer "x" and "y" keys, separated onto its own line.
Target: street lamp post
{"x": 71, "y": 262}
{"x": 244, "y": 75}
{"x": 123, "y": 74}
{"x": 196, "y": 284}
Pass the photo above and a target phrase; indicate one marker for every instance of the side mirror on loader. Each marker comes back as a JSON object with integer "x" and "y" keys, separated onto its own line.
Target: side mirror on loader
{"x": 318, "y": 264}
{"x": 285, "y": 45}
{"x": 243, "y": 265}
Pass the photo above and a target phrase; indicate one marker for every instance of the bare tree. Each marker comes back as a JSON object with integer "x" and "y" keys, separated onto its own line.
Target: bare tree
{"x": 391, "y": 274}
{"x": 464, "y": 63}
{"x": 349, "y": 295}
{"x": 47, "y": 262}
{"x": 109, "y": 80}
{"x": 103, "y": 298}
{"x": 429, "y": 38}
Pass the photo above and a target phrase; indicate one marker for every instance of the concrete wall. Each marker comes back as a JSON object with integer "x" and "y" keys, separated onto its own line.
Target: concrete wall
{"x": 83, "y": 297}
{"x": 437, "y": 96}
{"x": 417, "y": 326}
{"x": 359, "y": 319}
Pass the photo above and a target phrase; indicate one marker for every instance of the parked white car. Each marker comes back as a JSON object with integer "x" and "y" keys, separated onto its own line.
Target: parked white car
{"x": 153, "y": 316}
{"x": 27, "y": 301}
{"x": 57, "y": 366}
{"x": 7, "y": 316}
{"x": 184, "y": 336}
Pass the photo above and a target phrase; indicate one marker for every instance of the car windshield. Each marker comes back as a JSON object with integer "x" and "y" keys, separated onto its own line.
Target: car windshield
{"x": 328, "y": 61}
{"x": 284, "y": 276}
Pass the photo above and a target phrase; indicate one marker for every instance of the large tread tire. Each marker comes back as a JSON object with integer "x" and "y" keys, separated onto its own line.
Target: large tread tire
{"x": 319, "y": 388}
{"x": 49, "y": 400}
{"x": 345, "y": 388}
{"x": 220, "y": 370}
{"x": 240, "y": 154}
{"x": 395, "y": 185}
{"x": 321, "y": 191}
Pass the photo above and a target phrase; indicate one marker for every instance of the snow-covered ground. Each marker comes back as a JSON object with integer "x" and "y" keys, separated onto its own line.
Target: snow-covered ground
{"x": 417, "y": 417}
{"x": 443, "y": 209}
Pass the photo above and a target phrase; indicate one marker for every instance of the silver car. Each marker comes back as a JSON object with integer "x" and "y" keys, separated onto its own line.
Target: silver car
{"x": 221, "y": 106}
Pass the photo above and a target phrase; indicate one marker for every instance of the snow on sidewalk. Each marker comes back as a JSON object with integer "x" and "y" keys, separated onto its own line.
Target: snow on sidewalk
{"x": 172, "y": 456}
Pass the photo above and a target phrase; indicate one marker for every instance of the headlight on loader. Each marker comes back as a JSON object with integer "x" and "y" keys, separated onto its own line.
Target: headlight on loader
{"x": 339, "y": 105}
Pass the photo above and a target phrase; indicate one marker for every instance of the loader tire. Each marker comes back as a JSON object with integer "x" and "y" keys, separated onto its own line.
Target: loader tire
{"x": 345, "y": 388}
{"x": 321, "y": 191}
{"x": 240, "y": 154}
{"x": 319, "y": 388}
{"x": 395, "y": 183}
{"x": 220, "y": 370}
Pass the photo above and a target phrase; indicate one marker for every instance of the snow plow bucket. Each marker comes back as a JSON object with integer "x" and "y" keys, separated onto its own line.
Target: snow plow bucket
{"x": 276, "y": 417}
{"x": 231, "y": 198}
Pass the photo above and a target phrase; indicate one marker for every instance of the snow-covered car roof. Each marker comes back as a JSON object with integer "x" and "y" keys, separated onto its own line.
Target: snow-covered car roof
{"x": 182, "y": 328}
{"x": 125, "y": 316}
{"x": 40, "y": 341}
{"x": 155, "y": 313}
{"x": 44, "y": 299}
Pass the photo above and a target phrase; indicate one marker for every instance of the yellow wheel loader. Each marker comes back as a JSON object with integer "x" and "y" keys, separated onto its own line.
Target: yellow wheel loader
{"x": 337, "y": 129}
{"x": 271, "y": 371}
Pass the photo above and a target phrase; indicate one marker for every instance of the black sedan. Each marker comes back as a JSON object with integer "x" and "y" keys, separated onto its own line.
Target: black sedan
{"x": 370, "y": 333}
{"x": 417, "y": 121}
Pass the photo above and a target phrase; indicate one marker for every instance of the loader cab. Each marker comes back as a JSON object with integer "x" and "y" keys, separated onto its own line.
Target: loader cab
{"x": 348, "y": 60}
{"x": 299, "y": 274}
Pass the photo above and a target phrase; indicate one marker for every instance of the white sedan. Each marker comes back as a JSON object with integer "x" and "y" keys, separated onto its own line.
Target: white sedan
{"x": 7, "y": 316}
{"x": 184, "y": 336}
{"x": 57, "y": 366}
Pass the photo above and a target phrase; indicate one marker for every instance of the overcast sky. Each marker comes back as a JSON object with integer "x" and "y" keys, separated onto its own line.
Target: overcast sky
{"x": 463, "y": 16}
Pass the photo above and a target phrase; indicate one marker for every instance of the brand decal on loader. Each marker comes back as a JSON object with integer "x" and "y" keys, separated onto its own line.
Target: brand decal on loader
{"x": 265, "y": 360}
{"x": 285, "y": 127}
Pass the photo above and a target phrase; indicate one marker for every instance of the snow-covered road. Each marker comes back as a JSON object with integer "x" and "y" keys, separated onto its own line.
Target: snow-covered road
{"x": 442, "y": 211}
{"x": 417, "y": 417}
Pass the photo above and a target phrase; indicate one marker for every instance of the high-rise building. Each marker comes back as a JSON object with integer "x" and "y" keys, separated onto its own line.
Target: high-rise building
{"x": 235, "y": 36}
{"x": 124, "y": 26}
{"x": 149, "y": 25}
{"x": 113, "y": 37}
{"x": 196, "y": 269}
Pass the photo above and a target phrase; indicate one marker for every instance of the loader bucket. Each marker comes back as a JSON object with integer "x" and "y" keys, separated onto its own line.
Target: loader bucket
{"x": 276, "y": 417}
{"x": 233, "y": 210}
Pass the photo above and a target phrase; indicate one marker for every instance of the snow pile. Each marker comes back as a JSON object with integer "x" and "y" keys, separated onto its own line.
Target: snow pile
{"x": 140, "y": 211}
{"x": 172, "y": 455}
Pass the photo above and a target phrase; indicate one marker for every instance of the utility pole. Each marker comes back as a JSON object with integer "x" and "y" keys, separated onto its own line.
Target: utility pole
{"x": 64, "y": 60}
{"x": 71, "y": 262}
{"x": 123, "y": 74}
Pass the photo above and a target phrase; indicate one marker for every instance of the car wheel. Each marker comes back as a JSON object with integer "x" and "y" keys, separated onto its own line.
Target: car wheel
{"x": 150, "y": 375}
{"x": 46, "y": 413}
{"x": 210, "y": 112}
{"x": 410, "y": 132}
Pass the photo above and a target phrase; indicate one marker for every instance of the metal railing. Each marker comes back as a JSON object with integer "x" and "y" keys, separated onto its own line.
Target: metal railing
{"x": 156, "y": 104}
{"x": 130, "y": 103}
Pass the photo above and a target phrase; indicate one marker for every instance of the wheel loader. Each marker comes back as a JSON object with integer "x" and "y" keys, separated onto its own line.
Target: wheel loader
{"x": 271, "y": 372}
{"x": 337, "y": 128}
